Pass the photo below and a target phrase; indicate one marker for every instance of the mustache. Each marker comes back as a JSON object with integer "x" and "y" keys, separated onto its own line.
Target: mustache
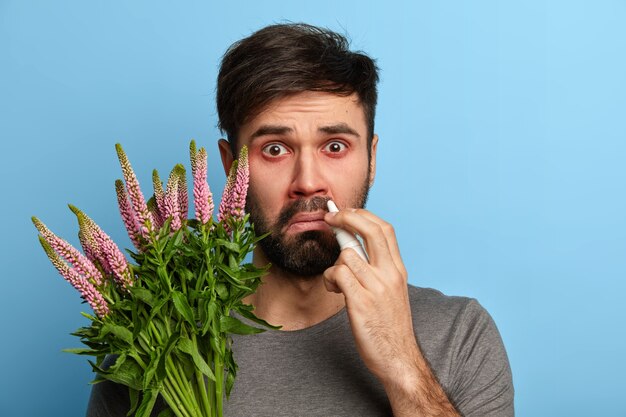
{"x": 298, "y": 206}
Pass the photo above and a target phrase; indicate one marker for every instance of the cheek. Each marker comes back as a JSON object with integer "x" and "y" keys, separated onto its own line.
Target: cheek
{"x": 266, "y": 190}
{"x": 349, "y": 186}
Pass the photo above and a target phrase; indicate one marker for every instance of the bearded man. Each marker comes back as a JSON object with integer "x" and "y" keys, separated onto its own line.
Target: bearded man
{"x": 356, "y": 338}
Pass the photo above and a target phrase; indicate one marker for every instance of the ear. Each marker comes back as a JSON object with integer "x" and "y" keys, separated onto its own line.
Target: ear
{"x": 227, "y": 155}
{"x": 373, "y": 159}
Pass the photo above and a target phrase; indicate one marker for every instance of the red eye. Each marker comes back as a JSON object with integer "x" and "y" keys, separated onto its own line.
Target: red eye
{"x": 335, "y": 147}
{"x": 274, "y": 149}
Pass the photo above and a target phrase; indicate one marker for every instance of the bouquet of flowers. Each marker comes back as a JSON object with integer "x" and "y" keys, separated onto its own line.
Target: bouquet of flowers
{"x": 166, "y": 317}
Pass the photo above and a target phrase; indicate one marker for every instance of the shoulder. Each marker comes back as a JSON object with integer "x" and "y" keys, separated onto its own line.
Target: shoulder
{"x": 463, "y": 346}
{"x": 443, "y": 319}
{"x": 431, "y": 303}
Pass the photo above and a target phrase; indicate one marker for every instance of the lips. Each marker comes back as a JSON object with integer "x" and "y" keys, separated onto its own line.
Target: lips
{"x": 307, "y": 221}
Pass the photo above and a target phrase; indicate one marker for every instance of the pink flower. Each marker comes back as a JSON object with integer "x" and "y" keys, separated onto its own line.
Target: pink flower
{"x": 172, "y": 208}
{"x": 159, "y": 199}
{"x": 86, "y": 289}
{"x": 234, "y": 196}
{"x": 140, "y": 208}
{"x": 79, "y": 261}
{"x": 240, "y": 190}
{"x": 225, "y": 203}
{"x": 103, "y": 249}
{"x": 128, "y": 216}
{"x": 156, "y": 213}
{"x": 183, "y": 196}
{"x": 202, "y": 197}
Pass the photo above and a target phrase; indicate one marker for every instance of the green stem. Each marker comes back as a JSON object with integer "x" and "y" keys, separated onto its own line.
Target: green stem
{"x": 211, "y": 388}
{"x": 179, "y": 391}
{"x": 202, "y": 390}
{"x": 176, "y": 403}
{"x": 176, "y": 383}
{"x": 219, "y": 378}
{"x": 174, "y": 406}
{"x": 187, "y": 386}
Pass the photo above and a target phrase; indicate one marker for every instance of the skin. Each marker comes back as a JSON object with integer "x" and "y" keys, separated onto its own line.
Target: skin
{"x": 315, "y": 144}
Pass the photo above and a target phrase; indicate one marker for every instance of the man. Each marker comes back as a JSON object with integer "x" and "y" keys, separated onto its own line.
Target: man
{"x": 356, "y": 339}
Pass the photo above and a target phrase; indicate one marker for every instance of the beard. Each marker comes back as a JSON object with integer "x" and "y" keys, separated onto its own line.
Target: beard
{"x": 306, "y": 254}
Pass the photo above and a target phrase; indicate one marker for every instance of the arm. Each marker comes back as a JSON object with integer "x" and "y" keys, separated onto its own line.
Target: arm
{"x": 378, "y": 306}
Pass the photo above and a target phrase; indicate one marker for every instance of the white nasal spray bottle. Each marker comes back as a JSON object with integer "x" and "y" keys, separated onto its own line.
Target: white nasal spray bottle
{"x": 346, "y": 239}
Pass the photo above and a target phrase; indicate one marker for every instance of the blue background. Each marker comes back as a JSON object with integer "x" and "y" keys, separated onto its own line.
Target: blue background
{"x": 501, "y": 164}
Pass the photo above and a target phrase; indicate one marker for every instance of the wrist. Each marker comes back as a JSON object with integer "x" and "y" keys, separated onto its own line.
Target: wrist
{"x": 403, "y": 376}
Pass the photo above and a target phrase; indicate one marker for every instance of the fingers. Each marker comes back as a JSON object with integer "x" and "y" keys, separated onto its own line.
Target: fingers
{"x": 373, "y": 236}
{"x": 378, "y": 236}
{"x": 392, "y": 241}
{"x": 340, "y": 279}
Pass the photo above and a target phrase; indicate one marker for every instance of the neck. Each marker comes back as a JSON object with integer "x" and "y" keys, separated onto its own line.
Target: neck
{"x": 291, "y": 301}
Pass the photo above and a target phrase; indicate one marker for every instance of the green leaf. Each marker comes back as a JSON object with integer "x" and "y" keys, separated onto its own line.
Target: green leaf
{"x": 229, "y": 271}
{"x": 82, "y": 351}
{"x": 232, "y": 262}
{"x": 251, "y": 316}
{"x": 167, "y": 412}
{"x": 230, "y": 382}
{"x": 126, "y": 305}
{"x": 89, "y": 316}
{"x": 143, "y": 294}
{"x": 245, "y": 275}
{"x": 164, "y": 277}
{"x": 215, "y": 345}
{"x": 150, "y": 371}
{"x": 230, "y": 324}
{"x": 147, "y": 403}
{"x": 212, "y": 312}
{"x": 133, "y": 394}
{"x": 171, "y": 343}
{"x": 157, "y": 308}
{"x": 222, "y": 291}
{"x": 228, "y": 245}
{"x": 119, "y": 331}
{"x": 187, "y": 346}
{"x": 182, "y": 306}
{"x": 128, "y": 373}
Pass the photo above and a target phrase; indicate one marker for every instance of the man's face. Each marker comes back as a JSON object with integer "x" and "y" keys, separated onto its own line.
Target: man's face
{"x": 304, "y": 150}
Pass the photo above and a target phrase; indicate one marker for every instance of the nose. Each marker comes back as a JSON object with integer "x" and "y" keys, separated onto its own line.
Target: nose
{"x": 308, "y": 178}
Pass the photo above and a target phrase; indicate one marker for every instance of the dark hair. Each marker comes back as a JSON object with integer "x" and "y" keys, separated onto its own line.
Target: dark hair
{"x": 284, "y": 59}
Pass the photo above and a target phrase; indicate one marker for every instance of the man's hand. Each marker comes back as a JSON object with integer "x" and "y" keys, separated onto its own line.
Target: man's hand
{"x": 377, "y": 302}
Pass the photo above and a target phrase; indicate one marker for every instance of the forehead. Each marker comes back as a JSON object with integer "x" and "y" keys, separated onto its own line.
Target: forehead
{"x": 309, "y": 109}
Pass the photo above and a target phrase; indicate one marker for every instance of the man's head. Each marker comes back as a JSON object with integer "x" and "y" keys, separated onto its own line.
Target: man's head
{"x": 285, "y": 59}
{"x": 304, "y": 105}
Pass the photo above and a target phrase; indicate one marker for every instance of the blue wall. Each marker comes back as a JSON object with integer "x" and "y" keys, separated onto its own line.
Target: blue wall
{"x": 501, "y": 163}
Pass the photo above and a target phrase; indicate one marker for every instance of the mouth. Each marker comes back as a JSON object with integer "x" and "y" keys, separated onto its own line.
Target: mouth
{"x": 303, "y": 222}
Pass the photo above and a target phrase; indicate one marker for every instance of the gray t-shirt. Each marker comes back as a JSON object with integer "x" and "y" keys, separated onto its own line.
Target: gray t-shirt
{"x": 317, "y": 371}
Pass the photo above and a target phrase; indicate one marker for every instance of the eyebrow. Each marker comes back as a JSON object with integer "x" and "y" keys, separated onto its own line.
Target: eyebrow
{"x": 339, "y": 128}
{"x": 266, "y": 130}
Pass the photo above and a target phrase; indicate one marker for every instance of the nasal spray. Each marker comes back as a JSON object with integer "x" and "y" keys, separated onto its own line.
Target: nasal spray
{"x": 345, "y": 238}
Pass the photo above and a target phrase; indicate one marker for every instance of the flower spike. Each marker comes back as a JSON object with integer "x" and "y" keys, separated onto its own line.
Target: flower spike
{"x": 233, "y": 202}
{"x": 142, "y": 214}
{"x": 128, "y": 216}
{"x": 156, "y": 214}
{"x": 172, "y": 203}
{"x": 192, "y": 156}
{"x": 159, "y": 199}
{"x": 240, "y": 189}
{"x": 226, "y": 202}
{"x": 86, "y": 289}
{"x": 202, "y": 197}
{"x": 79, "y": 261}
{"x": 104, "y": 249}
{"x": 183, "y": 196}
